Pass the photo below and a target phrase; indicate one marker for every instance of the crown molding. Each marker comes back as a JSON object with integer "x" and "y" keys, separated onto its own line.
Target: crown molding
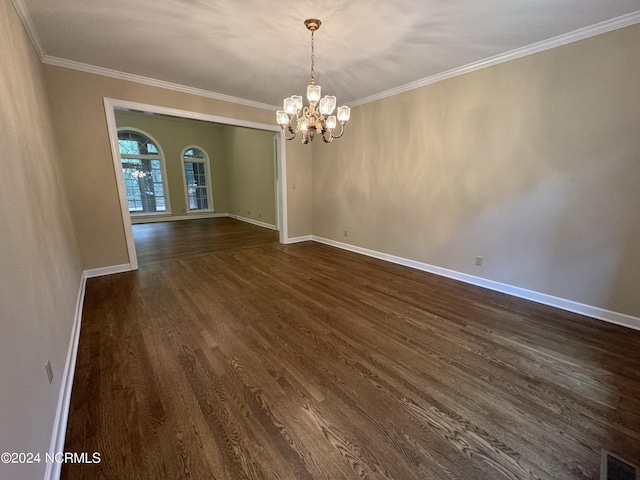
{"x": 23, "y": 13}
{"x": 107, "y": 72}
{"x": 27, "y": 21}
{"x": 580, "y": 34}
{"x": 576, "y": 35}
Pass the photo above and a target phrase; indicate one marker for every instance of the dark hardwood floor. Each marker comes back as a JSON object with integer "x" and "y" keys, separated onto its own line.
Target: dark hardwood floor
{"x": 230, "y": 356}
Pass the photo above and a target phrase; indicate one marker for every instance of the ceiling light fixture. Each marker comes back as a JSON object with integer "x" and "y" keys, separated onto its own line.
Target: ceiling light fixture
{"x": 317, "y": 116}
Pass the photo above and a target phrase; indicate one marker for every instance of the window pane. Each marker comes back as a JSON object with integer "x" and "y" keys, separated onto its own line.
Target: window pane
{"x": 129, "y": 146}
{"x": 196, "y": 179}
{"x": 143, "y": 183}
{"x": 202, "y": 201}
{"x": 194, "y": 153}
{"x": 132, "y": 143}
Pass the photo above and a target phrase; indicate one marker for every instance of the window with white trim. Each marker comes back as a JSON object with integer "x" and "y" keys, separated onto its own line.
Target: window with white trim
{"x": 197, "y": 179}
{"x": 142, "y": 171}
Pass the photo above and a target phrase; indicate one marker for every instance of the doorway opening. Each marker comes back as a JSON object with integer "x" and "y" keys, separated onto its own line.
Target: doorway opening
{"x": 193, "y": 169}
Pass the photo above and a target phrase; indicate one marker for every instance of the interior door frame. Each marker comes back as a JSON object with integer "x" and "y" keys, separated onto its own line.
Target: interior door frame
{"x": 111, "y": 104}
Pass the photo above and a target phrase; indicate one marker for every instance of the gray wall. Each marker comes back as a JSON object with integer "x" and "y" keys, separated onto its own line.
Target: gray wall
{"x": 533, "y": 164}
{"x": 40, "y": 269}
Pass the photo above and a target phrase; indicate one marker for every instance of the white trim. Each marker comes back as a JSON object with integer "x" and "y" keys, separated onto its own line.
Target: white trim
{"x": 562, "y": 303}
{"x": 158, "y": 215}
{"x": 192, "y": 216}
{"x": 53, "y": 469}
{"x": 276, "y": 181}
{"x": 305, "y": 238}
{"x": 99, "y": 272}
{"x": 558, "y": 41}
{"x": 153, "y": 82}
{"x": 112, "y": 129}
{"x": 254, "y": 222}
{"x": 23, "y": 13}
{"x": 281, "y": 191}
{"x": 176, "y": 112}
{"x": 207, "y": 172}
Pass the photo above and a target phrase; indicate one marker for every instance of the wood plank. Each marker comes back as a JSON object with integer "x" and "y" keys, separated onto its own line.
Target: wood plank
{"x": 230, "y": 356}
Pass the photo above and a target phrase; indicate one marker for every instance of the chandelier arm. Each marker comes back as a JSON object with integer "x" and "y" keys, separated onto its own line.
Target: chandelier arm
{"x": 341, "y": 132}
{"x": 284, "y": 134}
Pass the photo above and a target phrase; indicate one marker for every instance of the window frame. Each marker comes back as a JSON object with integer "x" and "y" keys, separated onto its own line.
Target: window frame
{"x": 163, "y": 171}
{"x": 207, "y": 172}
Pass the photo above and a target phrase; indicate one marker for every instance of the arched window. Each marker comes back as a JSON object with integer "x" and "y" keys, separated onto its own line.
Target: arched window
{"x": 142, "y": 167}
{"x": 197, "y": 179}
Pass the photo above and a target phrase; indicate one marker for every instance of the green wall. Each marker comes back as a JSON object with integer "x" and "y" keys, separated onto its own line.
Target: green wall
{"x": 251, "y": 173}
{"x": 241, "y": 163}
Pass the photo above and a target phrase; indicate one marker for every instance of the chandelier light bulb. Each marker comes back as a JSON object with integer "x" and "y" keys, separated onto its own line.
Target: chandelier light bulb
{"x": 331, "y": 122}
{"x": 313, "y": 93}
{"x": 344, "y": 113}
{"x": 327, "y": 105}
{"x": 282, "y": 117}
{"x": 324, "y": 106}
{"x": 290, "y": 105}
{"x": 331, "y": 100}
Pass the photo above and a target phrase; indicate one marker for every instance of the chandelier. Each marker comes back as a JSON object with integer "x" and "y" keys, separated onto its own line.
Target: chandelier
{"x": 138, "y": 173}
{"x": 317, "y": 117}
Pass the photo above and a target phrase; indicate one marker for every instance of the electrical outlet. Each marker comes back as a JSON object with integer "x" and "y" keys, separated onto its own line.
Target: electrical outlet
{"x": 479, "y": 261}
{"x": 248, "y": 212}
{"x": 49, "y": 370}
{"x": 345, "y": 233}
{"x": 259, "y": 215}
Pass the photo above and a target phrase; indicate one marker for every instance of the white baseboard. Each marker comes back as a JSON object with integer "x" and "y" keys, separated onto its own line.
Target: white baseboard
{"x": 252, "y": 221}
{"x": 172, "y": 218}
{"x": 304, "y": 238}
{"x": 195, "y": 216}
{"x": 53, "y": 469}
{"x": 58, "y": 435}
{"x": 99, "y": 272}
{"x": 562, "y": 303}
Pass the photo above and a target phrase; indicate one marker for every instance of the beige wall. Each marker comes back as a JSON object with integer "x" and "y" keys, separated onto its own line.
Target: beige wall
{"x": 39, "y": 263}
{"x": 299, "y": 189}
{"x": 174, "y": 135}
{"x": 77, "y": 105}
{"x": 251, "y": 174}
{"x": 533, "y": 164}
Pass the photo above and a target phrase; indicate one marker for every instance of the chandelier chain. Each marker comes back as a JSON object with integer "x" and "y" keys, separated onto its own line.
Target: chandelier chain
{"x": 313, "y": 70}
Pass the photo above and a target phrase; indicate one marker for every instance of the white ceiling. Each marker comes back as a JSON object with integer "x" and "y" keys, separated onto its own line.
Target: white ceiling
{"x": 259, "y": 50}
